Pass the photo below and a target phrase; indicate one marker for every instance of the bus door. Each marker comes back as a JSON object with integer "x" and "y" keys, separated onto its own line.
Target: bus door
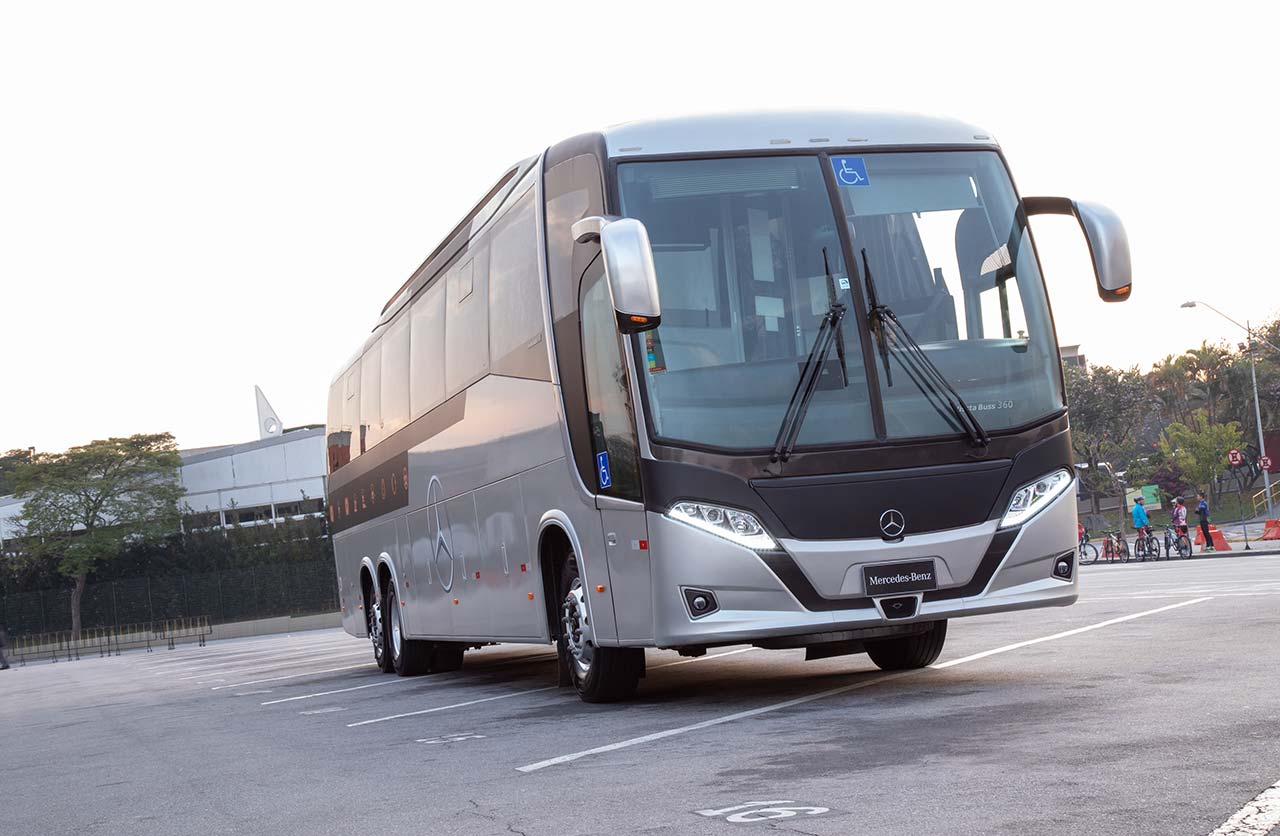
{"x": 616, "y": 462}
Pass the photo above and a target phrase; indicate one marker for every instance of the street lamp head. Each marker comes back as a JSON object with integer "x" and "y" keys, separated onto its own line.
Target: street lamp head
{"x": 1188, "y": 305}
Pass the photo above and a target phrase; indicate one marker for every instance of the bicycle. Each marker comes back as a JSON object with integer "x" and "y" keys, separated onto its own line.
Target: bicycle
{"x": 1088, "y": 551}
{"x": 1115, "y": 547}
{"x": 1176, "y": 540}
{"x": 1146, "y": 545}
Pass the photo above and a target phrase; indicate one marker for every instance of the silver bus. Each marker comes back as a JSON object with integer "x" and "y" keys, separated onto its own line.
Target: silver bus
{"x": 788, "y": 380}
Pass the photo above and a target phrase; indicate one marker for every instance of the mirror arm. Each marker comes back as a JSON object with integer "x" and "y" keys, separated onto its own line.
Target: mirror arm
{"x": 588, "y": 228}
{"x": 1049, "y": 205}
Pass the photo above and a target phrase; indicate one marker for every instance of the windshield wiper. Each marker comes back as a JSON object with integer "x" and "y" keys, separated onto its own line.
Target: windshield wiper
{"x": 890, "y": 333}
{"x": 828, "y": 332}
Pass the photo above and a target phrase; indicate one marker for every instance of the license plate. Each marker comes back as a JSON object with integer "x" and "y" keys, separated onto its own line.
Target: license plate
{"x": 892, "y": 578}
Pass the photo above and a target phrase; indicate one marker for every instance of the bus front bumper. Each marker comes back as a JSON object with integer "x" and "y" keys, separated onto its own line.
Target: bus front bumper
{"x": 811, "y": 587}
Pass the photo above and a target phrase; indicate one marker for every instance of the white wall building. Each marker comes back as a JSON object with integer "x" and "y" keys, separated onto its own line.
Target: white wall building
{"x": 254, "y": 483}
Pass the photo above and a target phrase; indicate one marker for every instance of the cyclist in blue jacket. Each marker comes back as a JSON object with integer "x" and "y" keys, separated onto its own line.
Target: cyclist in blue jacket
{"x": 1141, "y": 523}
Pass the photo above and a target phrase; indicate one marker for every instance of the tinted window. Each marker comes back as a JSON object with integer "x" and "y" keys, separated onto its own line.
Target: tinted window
{"x": 426, "y": 344}
{"x": 395, "y": 376}
{"x": 338, "y": 443}
{"x": 467, "y": 335}
{"x": 516, "y": 343}
{"x": 370, "y": 398}
{"x": 351, "y": 411}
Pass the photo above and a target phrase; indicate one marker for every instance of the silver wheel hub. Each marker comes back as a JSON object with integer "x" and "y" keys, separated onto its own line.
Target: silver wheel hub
{"x": 395, "y": 632}
{"x": 576, "y": 628}
{"x": 375, "y": 627}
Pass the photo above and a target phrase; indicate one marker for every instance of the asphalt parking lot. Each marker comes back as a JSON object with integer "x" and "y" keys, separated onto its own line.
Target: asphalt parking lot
{"x": 1152, "y": 706}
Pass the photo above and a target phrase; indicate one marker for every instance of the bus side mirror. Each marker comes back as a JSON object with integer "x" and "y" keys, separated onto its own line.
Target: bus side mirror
{"x": 628, "y": 267}
{"x": 1108, "y": 243}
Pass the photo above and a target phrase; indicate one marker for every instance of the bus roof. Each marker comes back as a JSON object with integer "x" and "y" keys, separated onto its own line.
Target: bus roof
{"x": 777, "y": 130}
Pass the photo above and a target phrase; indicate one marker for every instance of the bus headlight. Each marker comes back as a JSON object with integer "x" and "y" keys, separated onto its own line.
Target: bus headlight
{"x": 1031, "y": 499}
{"x": 731, "y": 524}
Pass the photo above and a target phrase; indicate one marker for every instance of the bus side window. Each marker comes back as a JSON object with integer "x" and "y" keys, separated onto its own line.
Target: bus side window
{"x": 339, "y": 436}
{"x": 371, "y": 398}
{"x": 608, "y": 395}
{"x": 351, "y": 412}
{"x": 466, "y": 333}
{"x": 426, "y": 349}
{"x": 516, "y": 343}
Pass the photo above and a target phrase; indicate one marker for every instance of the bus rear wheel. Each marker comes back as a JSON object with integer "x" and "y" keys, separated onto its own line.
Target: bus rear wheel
{"x": 598, "y": 674}
{"x": 408, "y": 657}
{"x": 907, "y": 652}
{"x": 374, "y": 620}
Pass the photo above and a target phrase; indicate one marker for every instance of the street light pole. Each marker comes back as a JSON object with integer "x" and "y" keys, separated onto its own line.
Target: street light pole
{"x": 1257, "y": 404}
{"x": 1257, "y": 414}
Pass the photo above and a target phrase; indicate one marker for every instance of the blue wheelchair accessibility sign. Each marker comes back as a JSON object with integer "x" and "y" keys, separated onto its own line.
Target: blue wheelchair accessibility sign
{"x": 850, "y": 171}
{"x": 602, "y": 470}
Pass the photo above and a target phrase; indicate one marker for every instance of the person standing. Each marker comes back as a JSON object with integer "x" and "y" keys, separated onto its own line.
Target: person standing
{"x": 4, "y": 642}
{"x": 1202, "y": 511}
{"x": 1179, "y": 515}
{"x": 1141, "y": 523}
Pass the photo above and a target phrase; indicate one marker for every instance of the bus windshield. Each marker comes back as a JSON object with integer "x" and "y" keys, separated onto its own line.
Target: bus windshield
{"x": 749, "y": 260}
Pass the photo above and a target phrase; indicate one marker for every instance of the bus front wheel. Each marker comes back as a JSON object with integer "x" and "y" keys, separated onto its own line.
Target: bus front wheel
{"x": 599, "y": 674}
{"x": 908, "y": 652}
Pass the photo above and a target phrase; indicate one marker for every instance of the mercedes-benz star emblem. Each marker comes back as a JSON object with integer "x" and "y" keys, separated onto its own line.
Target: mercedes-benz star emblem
{"x": 892, "y": 524}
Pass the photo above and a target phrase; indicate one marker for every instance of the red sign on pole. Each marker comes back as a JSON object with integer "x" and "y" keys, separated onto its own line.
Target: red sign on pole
{"x": 1265, "y": 462}
{"x": 1235, "y": 457}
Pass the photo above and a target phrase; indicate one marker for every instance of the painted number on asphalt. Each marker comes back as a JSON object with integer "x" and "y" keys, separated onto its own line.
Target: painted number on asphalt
{"x": 452, "y": 738}
{"x": 752, "y": 811}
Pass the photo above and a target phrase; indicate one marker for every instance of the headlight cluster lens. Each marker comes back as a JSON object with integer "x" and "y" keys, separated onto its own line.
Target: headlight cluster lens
{"x": 738, "y": 526}
{"x": 1029, "y": 500}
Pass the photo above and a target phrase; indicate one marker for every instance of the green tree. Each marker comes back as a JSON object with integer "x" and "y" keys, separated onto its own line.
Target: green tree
{"x": 82, "y": 507}
{"x": 1200, "y": 448}
{"x": 1108, "y": 408}
{"x": 9, "y": 464}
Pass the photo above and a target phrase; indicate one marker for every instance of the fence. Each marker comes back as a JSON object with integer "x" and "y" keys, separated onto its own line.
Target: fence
{"x": 107, "y": 641}
{"x": 254, "y": 592}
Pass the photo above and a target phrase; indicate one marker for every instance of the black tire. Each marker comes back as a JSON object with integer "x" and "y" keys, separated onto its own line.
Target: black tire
{"x": 408, "y": 656}
{"x": 375, "y": 616}
{"x": 908, "y": 652}
{"x": 1184, "y": 546}
{"x": 611, "y": 673}
{"x": 446, "y": 657}
{"x": 1088, "y": 554}
{"x": 1122, "y": 546}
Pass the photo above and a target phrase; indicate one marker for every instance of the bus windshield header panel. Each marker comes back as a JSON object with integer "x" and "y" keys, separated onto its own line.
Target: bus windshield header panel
{"x": 749, "y": 262}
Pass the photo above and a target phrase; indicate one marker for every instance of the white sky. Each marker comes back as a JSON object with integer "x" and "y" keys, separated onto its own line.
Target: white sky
{"x": 198, "y": 198}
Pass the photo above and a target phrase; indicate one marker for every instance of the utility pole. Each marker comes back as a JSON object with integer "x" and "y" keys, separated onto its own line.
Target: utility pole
{"x": 1257, "y": 414}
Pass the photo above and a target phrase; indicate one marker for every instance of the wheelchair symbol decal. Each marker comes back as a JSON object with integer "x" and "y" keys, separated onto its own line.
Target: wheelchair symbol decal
{"x": 850, "y": 171}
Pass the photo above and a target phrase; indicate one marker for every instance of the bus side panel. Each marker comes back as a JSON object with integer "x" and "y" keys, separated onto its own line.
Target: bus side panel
{"x": 507, "y": 568}
{"x": 347, "y": 563}
{"x": 430, "y": 610}
{"x": 350, "y": 549}
{"x": 550, "y": 492}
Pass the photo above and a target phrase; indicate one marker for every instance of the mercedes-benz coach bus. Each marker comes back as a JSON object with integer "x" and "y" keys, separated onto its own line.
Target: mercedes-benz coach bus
{"x": 788, "y": 380}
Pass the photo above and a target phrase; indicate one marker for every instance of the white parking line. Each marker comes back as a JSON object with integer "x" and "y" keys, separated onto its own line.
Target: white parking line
{"x": 336, "y": 691}
{"x": 701, "y": 658}
{"x": 1256, "y": 818}
{"x": 455, "y": 705}
{"x": 291, "y": 676}
{"x": 292, "y": 654}
{"x": 206, "y": 676}
{"x": 831, "y": 692}
{"x": 415, "y": 680}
